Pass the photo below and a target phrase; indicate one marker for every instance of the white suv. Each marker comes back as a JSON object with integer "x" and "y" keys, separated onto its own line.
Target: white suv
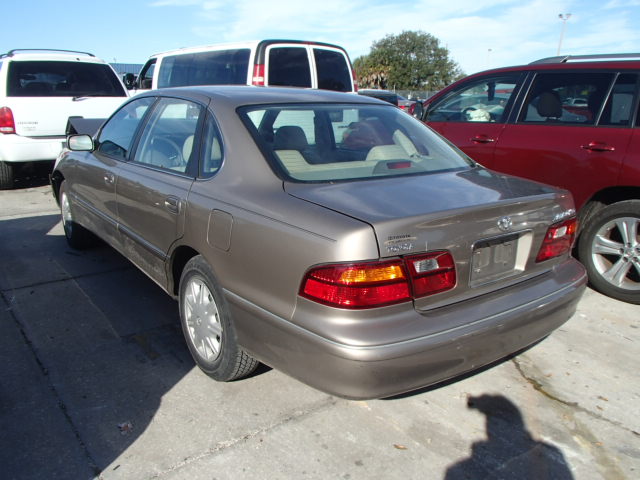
{"x": 39, "y": 91}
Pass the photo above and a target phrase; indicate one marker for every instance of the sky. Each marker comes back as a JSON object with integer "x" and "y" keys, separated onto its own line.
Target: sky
{"x": 479, "y": 34}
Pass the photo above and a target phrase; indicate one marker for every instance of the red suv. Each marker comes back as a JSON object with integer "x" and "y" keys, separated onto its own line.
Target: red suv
{"x": 571, "y": 121}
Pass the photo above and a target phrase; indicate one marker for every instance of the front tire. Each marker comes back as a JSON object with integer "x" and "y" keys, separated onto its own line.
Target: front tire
{"x": 77, "y": 236}
{"x": 609, "y": 248}
{"x": 208, "y": 327}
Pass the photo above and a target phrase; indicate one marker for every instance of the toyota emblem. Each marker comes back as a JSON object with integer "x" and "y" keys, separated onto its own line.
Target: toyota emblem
{"x": 505, "y": 224}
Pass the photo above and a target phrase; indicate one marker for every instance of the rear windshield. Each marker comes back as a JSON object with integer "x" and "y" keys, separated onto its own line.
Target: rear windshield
{"x": 62, "y": 79}
{"x": 330, "y": 142}
{"x": 221, "y": 67}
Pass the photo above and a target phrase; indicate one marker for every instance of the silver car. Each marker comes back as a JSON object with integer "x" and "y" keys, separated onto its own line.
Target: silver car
{"x": 328, "y": 235}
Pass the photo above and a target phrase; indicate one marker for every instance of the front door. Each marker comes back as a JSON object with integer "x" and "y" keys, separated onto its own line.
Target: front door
{"x": 152, "y": 190}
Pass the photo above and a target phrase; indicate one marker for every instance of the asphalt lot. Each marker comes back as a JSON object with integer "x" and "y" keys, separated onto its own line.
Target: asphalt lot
{"x": 96, "y": 382}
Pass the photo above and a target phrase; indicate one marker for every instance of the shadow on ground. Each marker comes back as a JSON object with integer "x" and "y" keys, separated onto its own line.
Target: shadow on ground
{"x": 88, "y": 345}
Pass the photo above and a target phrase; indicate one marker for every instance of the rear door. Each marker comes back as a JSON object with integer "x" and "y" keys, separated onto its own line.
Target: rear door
{"x": 308, "y": 66}
{"x": 579, "y": 146}
{"x": 152, "y": 189}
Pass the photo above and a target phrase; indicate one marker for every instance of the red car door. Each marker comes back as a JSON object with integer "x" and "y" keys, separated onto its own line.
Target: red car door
{"x": 472, "y": 117}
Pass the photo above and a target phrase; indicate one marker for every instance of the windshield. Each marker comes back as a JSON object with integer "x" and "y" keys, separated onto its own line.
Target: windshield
{"x": 329, "y": 142}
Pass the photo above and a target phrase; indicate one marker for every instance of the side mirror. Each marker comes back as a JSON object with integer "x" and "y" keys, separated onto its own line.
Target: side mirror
{"x": 80, "y": 143}
{"x": 129, "y": 80}
{"x": 418, "y": 110}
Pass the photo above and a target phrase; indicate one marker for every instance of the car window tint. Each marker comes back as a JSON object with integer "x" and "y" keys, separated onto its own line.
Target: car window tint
{"x": 62, "y": 79}
{"x": 333, "y": 71}
{"x": 168, "y": 139}
{"x": 480, "y": 101}
{"x": 211, "y": 157}
{"x": 289, "y": 66}
{"x": 619, "y": 106}
{"x": 116, "y": 136}
{"x": 219, "y": 67}
{"x": 566, "y": 97}
{"x": 323, "y": 143}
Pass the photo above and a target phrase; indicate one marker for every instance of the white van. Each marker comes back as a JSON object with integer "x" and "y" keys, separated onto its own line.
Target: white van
{"x": 39, "y": 91}
{"x": 292, "y": 63}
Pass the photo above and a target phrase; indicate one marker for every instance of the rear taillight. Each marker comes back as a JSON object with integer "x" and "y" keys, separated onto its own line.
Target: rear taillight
{"x": 258, "y": 75}
{"x": 376, "y": 284}
{"x": 431, "y": 273}
{"x": 559, "y": 240}
{"x": 7, "y": 124}
{"x": 355, "y": 80}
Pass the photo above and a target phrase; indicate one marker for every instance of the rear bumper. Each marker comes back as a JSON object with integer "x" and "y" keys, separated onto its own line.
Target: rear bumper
{"x": 495, "y": 326}
{"x": 16, "y": 148}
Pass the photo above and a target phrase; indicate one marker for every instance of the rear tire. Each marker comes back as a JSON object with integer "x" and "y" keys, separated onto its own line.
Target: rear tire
{"x": 208, "y": 327}
{"x": 609, "y": 248}
{"x": 7, "y": 174}
{"x": 77, "y": 236}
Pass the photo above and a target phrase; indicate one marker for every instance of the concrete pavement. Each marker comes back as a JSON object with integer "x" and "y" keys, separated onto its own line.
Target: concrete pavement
{"x": 96, "y": 382}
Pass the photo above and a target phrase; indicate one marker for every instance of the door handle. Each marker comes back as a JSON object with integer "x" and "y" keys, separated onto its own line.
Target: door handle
{"x": 598, "y": 147}
{"x": 109, "y": 178}
{"x": 482, "y": 139}
{"x": 172, "y": 204}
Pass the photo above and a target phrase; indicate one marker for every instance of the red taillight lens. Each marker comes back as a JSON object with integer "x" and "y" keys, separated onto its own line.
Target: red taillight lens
{"x": 431, "y": 273}
{"x": 558, "y": 240}
{"x": 363, "y": 285}
{"x": 7, "y": 124}
{"x": 355, "y": 80}
{"x": 258, "y": 75}
{"x": 377, "y": 284}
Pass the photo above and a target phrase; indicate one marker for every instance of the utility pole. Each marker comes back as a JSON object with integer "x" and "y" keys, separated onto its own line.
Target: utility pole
{"x": 564, "y": 18}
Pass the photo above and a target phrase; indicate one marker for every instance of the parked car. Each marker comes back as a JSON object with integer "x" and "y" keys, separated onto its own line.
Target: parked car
{"x": 571, "y": 122}
{"x": 328, "y": 235}
{"x": 39, "y": 91}
{"x": 412, "y": 107}
{"x": 293, "y": 63}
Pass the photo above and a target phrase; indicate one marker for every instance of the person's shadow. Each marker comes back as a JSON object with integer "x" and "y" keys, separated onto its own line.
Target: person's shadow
{"x": 509, "y": 451}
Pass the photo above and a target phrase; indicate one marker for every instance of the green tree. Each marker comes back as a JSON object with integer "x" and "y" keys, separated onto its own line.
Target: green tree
{"x": 408, "y": 61}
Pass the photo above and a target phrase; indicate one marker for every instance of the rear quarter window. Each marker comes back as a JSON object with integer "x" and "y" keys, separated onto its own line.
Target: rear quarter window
{"x": 62, "y": 79}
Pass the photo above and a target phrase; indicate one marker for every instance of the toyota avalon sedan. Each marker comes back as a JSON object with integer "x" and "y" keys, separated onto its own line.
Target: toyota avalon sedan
{"x": 328, "y": 235}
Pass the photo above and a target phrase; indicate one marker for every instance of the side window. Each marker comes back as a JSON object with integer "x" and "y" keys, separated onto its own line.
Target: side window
{"x": 333, "y": 70}
{"x": 619, "y": 106}
{"x": 289, "y": 66}
{"x": 481, "y": 101}
{"x": 116, "y": 137}
{"x": 566, "y": 98}
{"x": 211, "y": 149}
{"x": 146, "y": 75}
{"x": 168, "y": 138}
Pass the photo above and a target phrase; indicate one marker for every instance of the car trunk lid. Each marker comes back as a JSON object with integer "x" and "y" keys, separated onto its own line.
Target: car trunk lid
{"x": 492, "y": 224}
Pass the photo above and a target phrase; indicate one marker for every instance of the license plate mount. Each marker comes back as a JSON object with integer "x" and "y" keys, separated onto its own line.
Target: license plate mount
{"x": 494, "y": 259}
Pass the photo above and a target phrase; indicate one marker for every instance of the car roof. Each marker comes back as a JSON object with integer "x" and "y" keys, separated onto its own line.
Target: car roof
{"x": 32, "y": 54}
{"x": 238, "y": 95}
{"x": 237, "y": 45}
{"x": 567, "y": 63}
